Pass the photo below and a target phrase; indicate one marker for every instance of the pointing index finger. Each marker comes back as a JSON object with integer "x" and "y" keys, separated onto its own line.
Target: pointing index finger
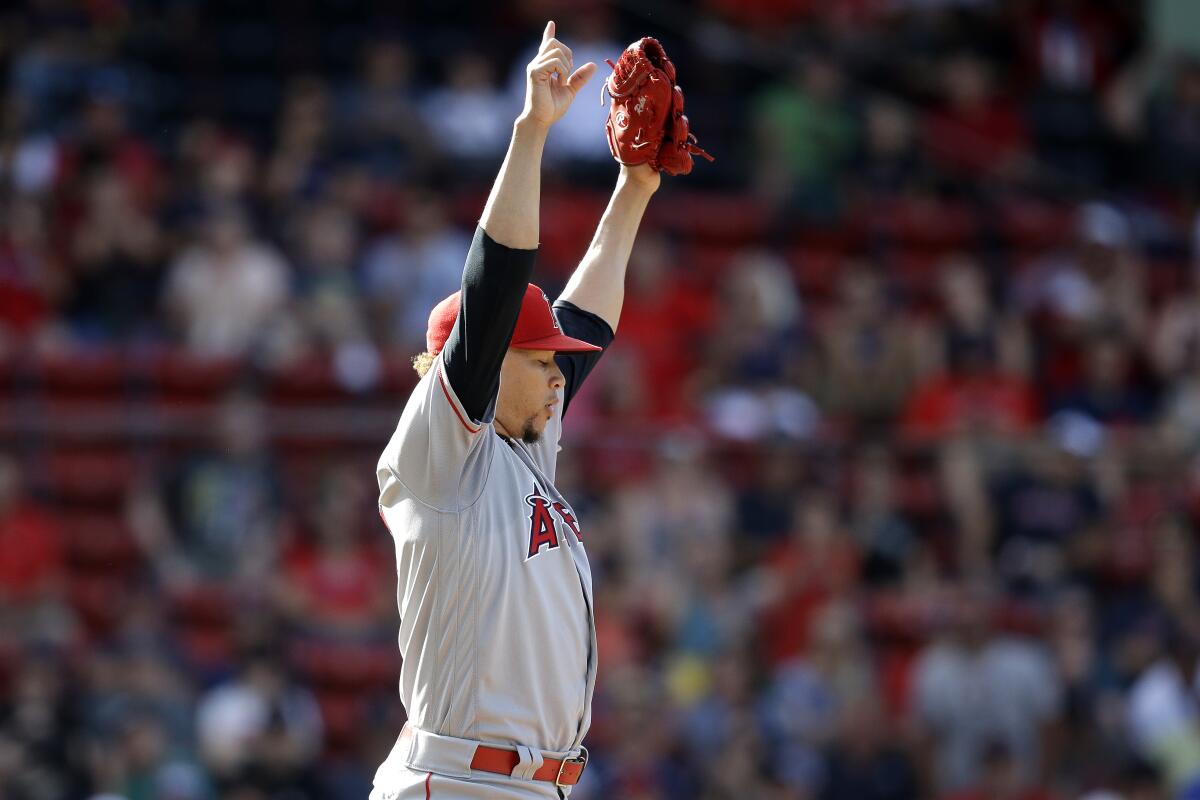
{"x": 549, "y": 32}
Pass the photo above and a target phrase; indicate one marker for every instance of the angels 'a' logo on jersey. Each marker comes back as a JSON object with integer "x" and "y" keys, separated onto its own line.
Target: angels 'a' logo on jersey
{"x": 542, "y": 530}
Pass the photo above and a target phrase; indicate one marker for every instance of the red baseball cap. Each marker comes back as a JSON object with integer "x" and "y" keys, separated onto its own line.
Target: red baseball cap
{"x": 537, "y": 329}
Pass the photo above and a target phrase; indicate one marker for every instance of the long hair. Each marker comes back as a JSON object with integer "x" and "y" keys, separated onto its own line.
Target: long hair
{"x": 421, "y": 363}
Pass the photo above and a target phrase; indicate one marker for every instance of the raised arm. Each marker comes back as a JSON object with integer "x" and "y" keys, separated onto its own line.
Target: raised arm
{"x": 511, "y": 215}
{"x": 590, "y": 307}
{"x": 501, "y": 258}
{"x": 453, "y": 406}
{"x": 598, "y": 283}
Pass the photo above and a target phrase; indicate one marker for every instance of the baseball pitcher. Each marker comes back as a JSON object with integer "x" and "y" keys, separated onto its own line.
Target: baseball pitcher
{"x": 494, "y": 587}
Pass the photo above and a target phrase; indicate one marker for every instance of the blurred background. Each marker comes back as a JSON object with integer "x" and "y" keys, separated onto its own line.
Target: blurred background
{"x": 891, "y": 480}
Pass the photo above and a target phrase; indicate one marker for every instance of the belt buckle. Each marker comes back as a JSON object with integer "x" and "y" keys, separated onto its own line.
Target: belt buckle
{"x": 581, "y": 760}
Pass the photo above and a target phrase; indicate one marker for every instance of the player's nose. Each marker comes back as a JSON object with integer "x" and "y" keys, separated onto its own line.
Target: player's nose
{"x": 557, "y": 380}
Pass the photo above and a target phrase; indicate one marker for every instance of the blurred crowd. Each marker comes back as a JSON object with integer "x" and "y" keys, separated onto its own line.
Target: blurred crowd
{"x": 891, "y": 479}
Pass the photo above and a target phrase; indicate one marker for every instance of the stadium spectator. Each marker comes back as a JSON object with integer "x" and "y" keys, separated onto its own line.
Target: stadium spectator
{"x": 974, "y": 395}
{"x": 890, "y": 161}
{"x": 223, "y": 293}
{"x": 214, "y": 520}
{"x": 407, "y": 273}
{"x": 1098, "y": 284}
{"x": 35, "y": 722}
{"x": 1109, "y": 390}
{"x": 1173, "y": 120}
{"x": 334, "y": 583}
{"x": 754, "y": 355}
{"x": 764, "y": 507}
{"x": 865, "y": 367}
{"x": 469, "y": 115}
{"x": 303, "y": 136}
{"x": 663, "y": 321}
{"x": 328, "y": 310}
{"x": 865, "y": 761}
{"x": 882, "y": 532}
{"x": 115, "y": 263}
{"x": 974, "y": 689}
{"x": 260, "y": 730}
{"x": 683, "y": 505}
{"x": 815, "y": 566}
{"x": 969, "y": 319}
{"x": 1000, "y": 780}
{"x": 1047, "y": 506}
{"x": 808, "y": 695}
{"x": 378, "y": 116}
{"x": 803, "y": 134}
{"x": 973, "y": 134}
{"x": 31, "y": 546}
{"x": 1071, "y": 49}
{"x": 105, "y": 140}
{"x": 29, "y": 279}
{"x": 1164, "y": 726}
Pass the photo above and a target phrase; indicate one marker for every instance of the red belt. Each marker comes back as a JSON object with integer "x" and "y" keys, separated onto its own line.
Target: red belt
{"x": 560, "y": 772}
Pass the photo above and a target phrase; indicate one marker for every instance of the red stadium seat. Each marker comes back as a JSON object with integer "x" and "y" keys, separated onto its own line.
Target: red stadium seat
{"x": 310, "y": 382}
{"x": 914, "y": 272}
{"x": 1031, "y": 224}
{"x": 816, "y": 270}
{"x": 708, "y": 218}
{"x": 341, "y": 713}
{"x": 82, "y": 374}
{"x": 203, "y": 605}
{"x": 99, "y": 542}
{"x": 81, "y": 396}
{"x": 398, "y": 378}
{"x": 203, "y": 616}
{"x": 347, "y": 666}
{"x": 1165, "y": 278}
{"x": 99, "y": 599}
{"x": 895, "y": 677}
{"x": 9, "y": 371}
{"x": 923, "y": 222}
{"x": 182, "y": 380}
{"x": 568, "y": 222}
{"x": 708, "y": 262}
{"x": 206, "y": 650}
{"x": 918, "y": 493}
{"x": 95, "y": 476}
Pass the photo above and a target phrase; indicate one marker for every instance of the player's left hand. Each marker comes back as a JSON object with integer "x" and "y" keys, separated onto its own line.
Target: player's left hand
{"x": 551, "y": 80}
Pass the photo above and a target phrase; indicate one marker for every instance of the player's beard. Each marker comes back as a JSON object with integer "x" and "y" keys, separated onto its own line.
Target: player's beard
{"x": 529, "y": 435}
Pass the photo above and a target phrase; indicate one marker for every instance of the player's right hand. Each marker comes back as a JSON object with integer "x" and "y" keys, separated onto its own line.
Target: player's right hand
{"x": 552, "y": 81}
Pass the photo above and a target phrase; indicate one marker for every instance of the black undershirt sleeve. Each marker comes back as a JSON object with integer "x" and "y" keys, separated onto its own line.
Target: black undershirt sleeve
{"x": 579, "y": 324}
{"x": 493, "y": 287}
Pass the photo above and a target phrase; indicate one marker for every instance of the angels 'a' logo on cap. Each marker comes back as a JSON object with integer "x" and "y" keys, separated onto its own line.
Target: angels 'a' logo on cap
{"x": 553, "y": 318}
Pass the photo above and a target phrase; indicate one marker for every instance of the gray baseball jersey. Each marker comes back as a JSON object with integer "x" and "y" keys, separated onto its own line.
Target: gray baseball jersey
{"x": 494, "y": 586}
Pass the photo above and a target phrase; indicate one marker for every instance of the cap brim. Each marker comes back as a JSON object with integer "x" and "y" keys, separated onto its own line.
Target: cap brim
{"x": 559, "y": 343}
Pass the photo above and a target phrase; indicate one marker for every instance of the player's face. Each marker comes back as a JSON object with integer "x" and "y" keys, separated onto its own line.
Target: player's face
{"x": 529, "y": 384}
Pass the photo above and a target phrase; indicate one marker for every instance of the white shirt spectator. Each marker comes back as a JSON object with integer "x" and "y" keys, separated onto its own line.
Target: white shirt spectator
{"x": 411, "y": 274}
{"x": 231, "y": 718}
{"x": 1003, "y": 692}
{"x": 1163, "y": 718}
{"x": 469, "y": 117}
{"x": 224, "y": 304}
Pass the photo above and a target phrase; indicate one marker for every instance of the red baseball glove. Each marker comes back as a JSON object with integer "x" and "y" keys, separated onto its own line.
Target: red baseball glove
{"x": 646, "y": 123}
